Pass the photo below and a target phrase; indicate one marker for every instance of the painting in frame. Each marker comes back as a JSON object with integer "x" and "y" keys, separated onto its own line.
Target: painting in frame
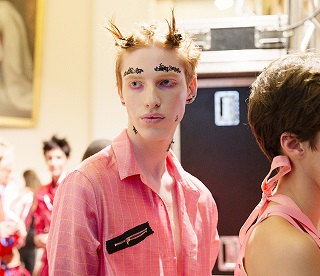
{"x": 21, "y": 30}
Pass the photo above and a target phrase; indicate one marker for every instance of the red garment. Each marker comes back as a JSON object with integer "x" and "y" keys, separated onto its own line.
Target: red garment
{"x": 6, "y": 244}
{"x": 42, "y": 216}
{"x": 16, "y": 213}
{"x": 14, "y": 271}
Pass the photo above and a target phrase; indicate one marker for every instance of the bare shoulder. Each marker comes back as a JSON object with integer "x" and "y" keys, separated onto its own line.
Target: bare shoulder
{"x": 275, "y": 247}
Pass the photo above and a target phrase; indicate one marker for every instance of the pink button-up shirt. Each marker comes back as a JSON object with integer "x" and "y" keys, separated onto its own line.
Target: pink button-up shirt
{"x": 106, "y": 220}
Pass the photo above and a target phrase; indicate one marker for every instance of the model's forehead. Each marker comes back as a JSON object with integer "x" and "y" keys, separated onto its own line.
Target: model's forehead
{"x": 150, "y": 58}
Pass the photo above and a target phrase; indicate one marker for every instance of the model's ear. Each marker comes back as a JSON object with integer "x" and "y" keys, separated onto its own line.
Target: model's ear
{"x": 192, "y": 90}
{"x": 290, "y": 144}
{"x": 121, "y": 96}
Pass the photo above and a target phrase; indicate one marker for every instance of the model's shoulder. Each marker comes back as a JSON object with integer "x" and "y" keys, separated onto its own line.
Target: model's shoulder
{"x": 93, "y": 172}
{"x": 197, "y": 182}
{"x": 276, "y": 245}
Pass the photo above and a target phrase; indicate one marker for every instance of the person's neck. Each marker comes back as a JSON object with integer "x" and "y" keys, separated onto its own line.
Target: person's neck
{"x": 304, "y": 192}
{"x": 151, "y": 158}
{"x": 55, "y": 180}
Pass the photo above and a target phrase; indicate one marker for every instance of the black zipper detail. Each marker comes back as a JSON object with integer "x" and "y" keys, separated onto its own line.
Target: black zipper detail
{"x": 129, "y": 238}
{"x": 132, "y": 237}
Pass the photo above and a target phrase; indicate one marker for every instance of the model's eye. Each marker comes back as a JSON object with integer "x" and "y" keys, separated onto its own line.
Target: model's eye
{"x": 136, "y": 84}
{"x": 167, "y": 83}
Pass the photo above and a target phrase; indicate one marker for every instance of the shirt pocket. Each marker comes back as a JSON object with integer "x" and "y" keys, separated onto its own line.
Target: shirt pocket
{"x": 129, "y": 238}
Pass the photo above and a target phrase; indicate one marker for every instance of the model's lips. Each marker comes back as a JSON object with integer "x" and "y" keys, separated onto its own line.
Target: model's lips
{"x": 153, "y": 118}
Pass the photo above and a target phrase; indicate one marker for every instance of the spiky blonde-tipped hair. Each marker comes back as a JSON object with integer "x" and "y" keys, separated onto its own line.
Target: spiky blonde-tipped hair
{"x": 156, "y": 34}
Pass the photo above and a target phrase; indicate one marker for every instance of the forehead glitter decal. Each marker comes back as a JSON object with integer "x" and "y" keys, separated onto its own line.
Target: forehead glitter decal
{"x": 164, "y": 68}
{"x": 132, "y": 71}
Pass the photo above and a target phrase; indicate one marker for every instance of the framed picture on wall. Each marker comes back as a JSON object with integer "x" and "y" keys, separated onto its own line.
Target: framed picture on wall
{"x": 21, "y": 24}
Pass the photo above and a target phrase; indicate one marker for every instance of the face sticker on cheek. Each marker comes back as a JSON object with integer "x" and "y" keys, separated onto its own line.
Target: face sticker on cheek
{"x": 134, "y": 130}
{"x": 132, "y": 71}
{"x": 168, "y": 68}
{"x": 177, "y": 117}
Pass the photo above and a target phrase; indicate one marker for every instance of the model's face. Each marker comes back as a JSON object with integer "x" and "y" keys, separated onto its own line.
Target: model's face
{"x": 56, "y": 160}
{"x": 154, "y": 91}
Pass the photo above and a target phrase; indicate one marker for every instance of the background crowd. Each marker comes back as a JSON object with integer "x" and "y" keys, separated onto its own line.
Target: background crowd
{"x": 25, "y": 210}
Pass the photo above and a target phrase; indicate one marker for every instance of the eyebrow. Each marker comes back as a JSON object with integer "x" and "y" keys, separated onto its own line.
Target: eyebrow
{"x": 133, "y": 71}
{"x": 165, "y": 68}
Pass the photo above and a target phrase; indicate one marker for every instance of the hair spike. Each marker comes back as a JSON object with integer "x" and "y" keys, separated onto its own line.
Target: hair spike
{"x": 173, "y": 37}
{"x": 120, "y": 40}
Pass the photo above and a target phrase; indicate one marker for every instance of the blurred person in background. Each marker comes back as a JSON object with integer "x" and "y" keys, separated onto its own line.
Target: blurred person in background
{"x": 12, "y": 220}
{"x": 95, "y": 146}
{"x": 27, "y": 194}
{"x": 56, "y": 153}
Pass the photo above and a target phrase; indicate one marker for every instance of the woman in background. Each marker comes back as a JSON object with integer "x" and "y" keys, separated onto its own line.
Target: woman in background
{"x": 28, "y": 252}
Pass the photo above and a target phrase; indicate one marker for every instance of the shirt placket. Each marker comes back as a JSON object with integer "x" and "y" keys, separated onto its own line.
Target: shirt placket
{"x": 167, "y": 252}
{"x": 188, "y": 235}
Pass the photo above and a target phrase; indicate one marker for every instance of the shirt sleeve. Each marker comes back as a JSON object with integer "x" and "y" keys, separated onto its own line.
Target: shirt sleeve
{"x": 73, "y": 246}
{"x": 215, "y": 241}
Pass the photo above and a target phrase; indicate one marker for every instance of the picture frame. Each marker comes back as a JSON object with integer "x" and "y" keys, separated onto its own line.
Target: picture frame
{"x": 20, "y": 61}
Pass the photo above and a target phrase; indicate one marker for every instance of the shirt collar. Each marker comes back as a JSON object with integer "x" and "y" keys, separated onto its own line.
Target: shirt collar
{"x": 127, "y": 163}
{"x": 128, "y": 166}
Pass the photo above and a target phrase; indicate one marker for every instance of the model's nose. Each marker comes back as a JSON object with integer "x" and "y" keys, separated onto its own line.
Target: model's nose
{"x": 152, "y": 98}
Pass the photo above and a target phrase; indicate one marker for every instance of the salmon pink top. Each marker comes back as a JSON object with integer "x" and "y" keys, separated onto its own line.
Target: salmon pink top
{"x": 285, "y": 208}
